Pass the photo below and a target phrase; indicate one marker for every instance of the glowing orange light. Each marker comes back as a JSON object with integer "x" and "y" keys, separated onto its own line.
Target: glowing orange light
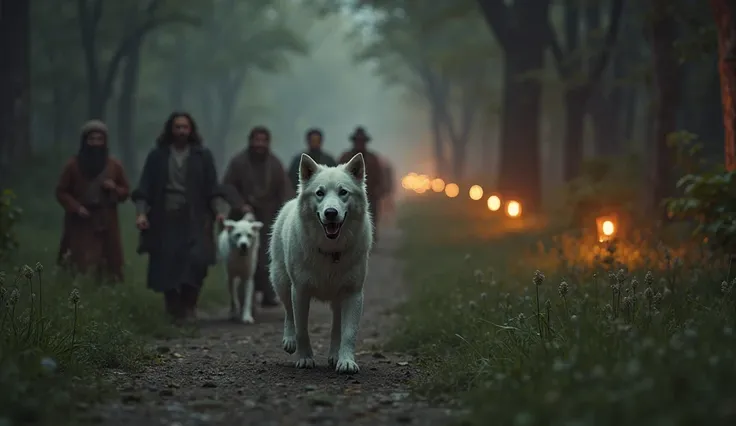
{"x": 452, "y": 190}
{"x": 475, "y": 192}
{"x": 606, "y": 228}
{"x": 438, "y": 185}
{"x": 513, "y": 209}
{"x": 494, "y": 203}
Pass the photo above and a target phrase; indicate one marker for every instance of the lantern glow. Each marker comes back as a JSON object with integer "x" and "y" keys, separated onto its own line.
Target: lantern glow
{"x": 475, "y": 192}
{"x": 438, "y": 185}
{"x": 494, "y": 203}
{"x": 452, "y": 190}
{"x": 513, "y": 209}
{"x": 607, "y": 228}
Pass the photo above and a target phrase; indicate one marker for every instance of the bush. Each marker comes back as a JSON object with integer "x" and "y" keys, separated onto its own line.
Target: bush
{"x": 532, "y": 333}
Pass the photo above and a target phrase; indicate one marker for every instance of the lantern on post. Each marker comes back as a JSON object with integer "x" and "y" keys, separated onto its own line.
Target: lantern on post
{"x": 607, "y": 227}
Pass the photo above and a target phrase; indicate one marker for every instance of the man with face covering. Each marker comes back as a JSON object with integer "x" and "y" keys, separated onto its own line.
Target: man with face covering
{"x": 314, "y": 143}
{"x": 255, "y": 181}
{"x": 91, "y": 186}
{"x": 373, "y": 172}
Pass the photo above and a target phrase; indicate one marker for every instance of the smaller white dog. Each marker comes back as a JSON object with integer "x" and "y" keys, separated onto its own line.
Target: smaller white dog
{"x": 238, "y": 245}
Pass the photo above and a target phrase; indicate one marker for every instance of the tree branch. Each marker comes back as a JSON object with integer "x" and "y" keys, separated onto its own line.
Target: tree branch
{"x": 609, "y": 41}
{"x": 496, "y": 14}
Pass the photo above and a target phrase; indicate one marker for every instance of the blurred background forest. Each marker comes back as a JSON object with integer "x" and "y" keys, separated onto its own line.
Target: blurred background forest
{"x": 519, "y": 95}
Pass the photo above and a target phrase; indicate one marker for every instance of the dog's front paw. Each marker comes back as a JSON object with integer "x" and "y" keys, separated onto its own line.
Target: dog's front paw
{"x": 289, "y": 344}
{"x": 305, "y": 362}
{"x": 332, "y": 361}
{"x": 346, "y": 366}
{"x": 248, "y": 319}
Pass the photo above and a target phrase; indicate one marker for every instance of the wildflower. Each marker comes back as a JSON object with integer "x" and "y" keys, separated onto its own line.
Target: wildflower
{"x": 657, "y": 299}
{"x": 649, "y": 294}
{"x": 478, "y": 275}
{"x": 627, "y": 302}
{"x": 649, "y": 279}
{"x": 574, "y": 318}
{"x": 74, "y": 297}
{"x": 483, "y": 296}
{"x": 27, "y": 272}
{"x": 620, "y": 276}
{"x": 2, "y": 277}
{"x": 39, "y": 267}
{"x": 467, "y": 257}
{"x": 725, "y": 287}
{"x": 548, "y": 304}
{"x": 667, "y": 291}
{"x": 472, "y": 304}
{"x": 33, "y": 297}
{"x": 521, "y": 317}
{"x": 562, "y": 289}
{"x": 48, "y": 364}
{"x": 3, "y": 293}
{"x": 13, "y": 299}
{"x": 634, "y": 285}
{"x": 538, "y": 278}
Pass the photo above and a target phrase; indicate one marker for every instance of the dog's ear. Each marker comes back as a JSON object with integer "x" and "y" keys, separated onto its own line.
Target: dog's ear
{"x": 356, "y": 167}
{"x": 228, "y": 224}
{"x": 257, "y": 226}
{"x": 307, "y": 168}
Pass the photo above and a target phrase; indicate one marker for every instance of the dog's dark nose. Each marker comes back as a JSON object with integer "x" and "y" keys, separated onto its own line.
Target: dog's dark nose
{"x": 331, "y": 214}
{"x": 243, "y": 246}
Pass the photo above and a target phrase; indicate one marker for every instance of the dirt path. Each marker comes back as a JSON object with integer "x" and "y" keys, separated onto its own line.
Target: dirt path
{"x": 239, "y": 375}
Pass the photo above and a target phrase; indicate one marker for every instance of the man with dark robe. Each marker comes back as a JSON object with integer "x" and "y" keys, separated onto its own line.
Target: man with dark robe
{"x": 373, "y": 172}
{"x": 314, "y": 144}
{"x": 91, "y": 186}
{"x": 255, "y": 181}
{"x": 177, "y": 202}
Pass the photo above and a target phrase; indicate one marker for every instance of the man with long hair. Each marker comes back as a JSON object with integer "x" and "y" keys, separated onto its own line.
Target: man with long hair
{"x": 90, "y": 188}
{"x": 177, "y": 201}
{"x": 255, "y": 181}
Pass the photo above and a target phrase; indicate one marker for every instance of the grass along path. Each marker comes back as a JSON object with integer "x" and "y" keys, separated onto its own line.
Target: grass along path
{"x": 651, "y": 344}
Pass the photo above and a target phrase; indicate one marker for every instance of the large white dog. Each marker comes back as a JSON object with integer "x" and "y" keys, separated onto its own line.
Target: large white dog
{"x": 319, "y": 250}
{"x": 238, "y": 245}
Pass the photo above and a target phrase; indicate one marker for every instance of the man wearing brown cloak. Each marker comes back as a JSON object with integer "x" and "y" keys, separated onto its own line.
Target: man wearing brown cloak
{"x": 255, "y": 181}
{"x": 91, "y": 186}
{"x": 373, "y": 172}
{"x": 177, "y": 201}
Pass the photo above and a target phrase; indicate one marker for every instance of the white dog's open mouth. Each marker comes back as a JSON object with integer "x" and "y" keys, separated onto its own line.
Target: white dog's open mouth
{"x": 332, "y": 230}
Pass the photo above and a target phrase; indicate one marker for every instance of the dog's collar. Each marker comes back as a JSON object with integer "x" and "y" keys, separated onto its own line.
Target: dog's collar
{"x": 335, "y": 255}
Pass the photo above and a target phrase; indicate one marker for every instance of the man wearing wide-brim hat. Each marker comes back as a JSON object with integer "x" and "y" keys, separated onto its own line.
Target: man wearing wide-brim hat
{"x": 373, "y": 170}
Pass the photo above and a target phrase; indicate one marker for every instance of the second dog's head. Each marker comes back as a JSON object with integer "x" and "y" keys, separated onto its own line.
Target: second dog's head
{"x": 333, "y": 193}
{"x": 243, "y": 233}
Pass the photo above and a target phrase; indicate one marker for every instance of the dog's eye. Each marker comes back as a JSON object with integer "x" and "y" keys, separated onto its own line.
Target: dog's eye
{"x": 320, "y": 193}
{"x": 343, "y": 192}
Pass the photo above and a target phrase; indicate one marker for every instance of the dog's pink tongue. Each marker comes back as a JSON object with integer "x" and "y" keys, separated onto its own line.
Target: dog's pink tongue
{"x": 332, "y": 229}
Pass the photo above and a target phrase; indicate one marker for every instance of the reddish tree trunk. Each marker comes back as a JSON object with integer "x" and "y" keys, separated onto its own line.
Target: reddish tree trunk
{"x": 725, "y": 16}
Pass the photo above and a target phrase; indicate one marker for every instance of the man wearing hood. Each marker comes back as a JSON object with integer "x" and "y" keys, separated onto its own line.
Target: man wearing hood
{"x": 255, "y": 181}
{"x": 91, "y": 186}
{"x": 314, "y": 144}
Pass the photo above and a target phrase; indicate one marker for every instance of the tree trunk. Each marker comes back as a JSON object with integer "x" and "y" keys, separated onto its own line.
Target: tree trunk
{"x": 438, "y": 143}
{"x": 520, "y": 169}
{"x": 178, "y": 80}
{"x": 725, "y": 16}
{"x": 629, "y": 104}
{"x": 14, "y": 82}
{"x": 126, "y": 111}
{"x": 607, "y": 113}
{"x": 667, "y": 79}
{"x": 575, "y": 108}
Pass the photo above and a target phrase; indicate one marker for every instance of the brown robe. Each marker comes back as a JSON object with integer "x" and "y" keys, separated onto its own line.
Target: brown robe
{"x": 92, "y": 242}
{"x": 373, "y": 179}
{"x": 264, "y": 186}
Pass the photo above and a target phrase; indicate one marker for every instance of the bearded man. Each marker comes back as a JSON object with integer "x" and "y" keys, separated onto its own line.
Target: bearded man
{"x": 255, "y": 182}
{"x": 91, "y": 186}
{"x": 177, "y": 202}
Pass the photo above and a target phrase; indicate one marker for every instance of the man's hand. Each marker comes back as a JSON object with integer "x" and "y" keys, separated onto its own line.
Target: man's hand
{"x": 109, "y": 184}
{"x": 141, "y": 222}
{"x": 246, "y": 209}
{"x": 83, "y": 212}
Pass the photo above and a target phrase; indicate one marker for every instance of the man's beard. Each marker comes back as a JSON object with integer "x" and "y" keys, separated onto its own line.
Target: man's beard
{"x": 92, "y": 160}
{"x": 258, "y": 154}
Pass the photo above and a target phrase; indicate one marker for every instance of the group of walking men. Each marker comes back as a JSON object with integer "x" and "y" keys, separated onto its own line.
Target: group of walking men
{"x": 179, "y": 199}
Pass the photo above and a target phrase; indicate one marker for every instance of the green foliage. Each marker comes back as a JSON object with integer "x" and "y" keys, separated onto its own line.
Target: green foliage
{"x": 708, "y": 194}
{"x": 10, "y": 214}
{"x": 651, "y": 343}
